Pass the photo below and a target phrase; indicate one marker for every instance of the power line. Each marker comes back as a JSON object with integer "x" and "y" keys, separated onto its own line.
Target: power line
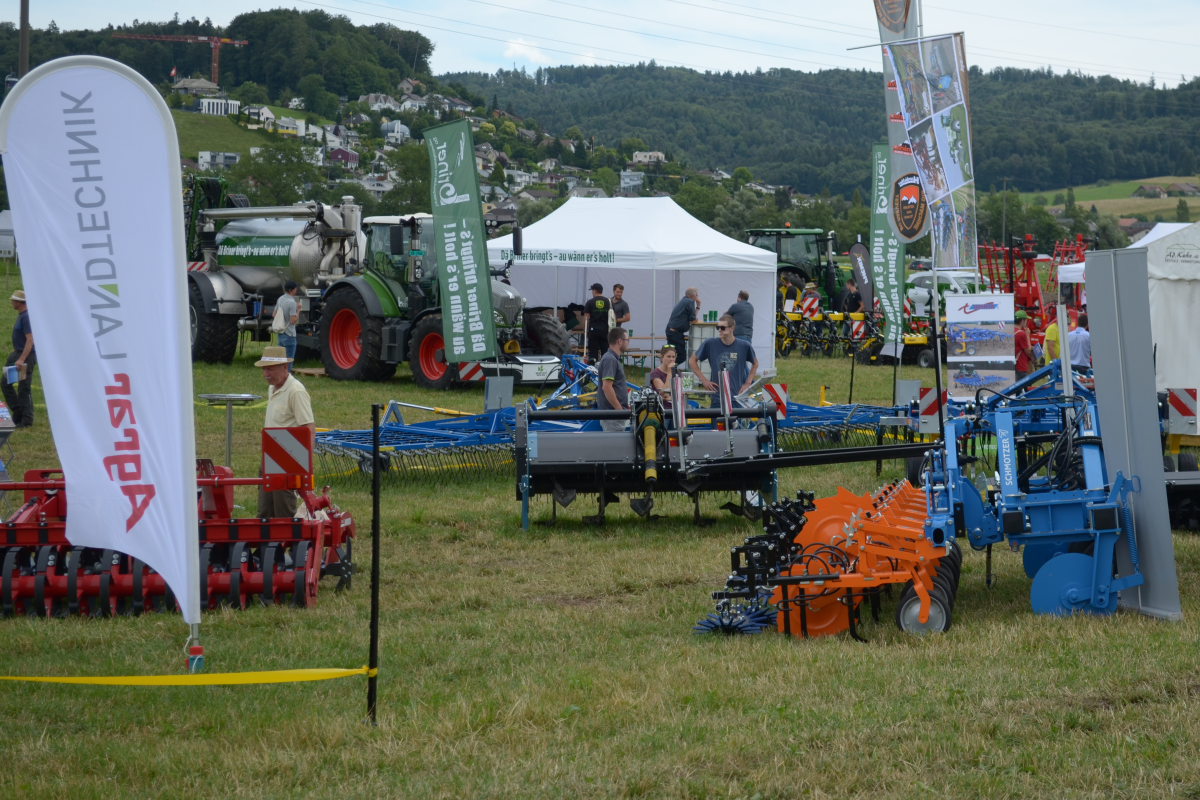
{"x": 1067, "y": 28}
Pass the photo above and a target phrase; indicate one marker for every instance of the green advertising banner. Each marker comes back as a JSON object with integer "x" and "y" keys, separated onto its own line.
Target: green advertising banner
{"x": 468, "y": 323}
{"x": 887, "y": 249}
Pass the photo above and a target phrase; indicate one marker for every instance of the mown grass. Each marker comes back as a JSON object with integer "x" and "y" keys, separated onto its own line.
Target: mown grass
{"x": 1111, "y": 191}
{"x": 198, "y": 132}
{"x": 561, "y": 663}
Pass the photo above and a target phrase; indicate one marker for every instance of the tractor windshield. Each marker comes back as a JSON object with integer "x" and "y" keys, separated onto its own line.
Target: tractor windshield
{"x": 800, "y": 250}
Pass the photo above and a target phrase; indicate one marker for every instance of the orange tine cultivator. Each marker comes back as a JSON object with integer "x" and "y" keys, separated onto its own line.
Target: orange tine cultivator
{"x": 820, "y": 559}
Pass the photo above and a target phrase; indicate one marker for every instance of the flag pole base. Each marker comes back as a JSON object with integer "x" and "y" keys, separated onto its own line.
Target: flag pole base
{"x": 195, "y": 653}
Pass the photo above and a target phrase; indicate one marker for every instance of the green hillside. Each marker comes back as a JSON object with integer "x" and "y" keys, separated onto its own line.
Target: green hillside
{"x": 1109, "y": 191}
{"x": 205, "y": 132}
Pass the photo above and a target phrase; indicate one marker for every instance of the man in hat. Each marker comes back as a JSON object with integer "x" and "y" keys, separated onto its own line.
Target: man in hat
{"x": 1024, "y": 347}
{"x": 24, "y": 358}
{"x": 288, "y": 406}
{"x": 595, "y": 322}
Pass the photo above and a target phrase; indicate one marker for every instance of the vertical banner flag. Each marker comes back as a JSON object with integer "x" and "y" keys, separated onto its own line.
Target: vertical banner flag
{"x": 92, "y": 164}
{"x": 464, "y": 274}
{"x": 897, "y": 22}
{"x": 860, "y": 265}
{"x": 932, "y": 77}
{"x": 887, "y": 248}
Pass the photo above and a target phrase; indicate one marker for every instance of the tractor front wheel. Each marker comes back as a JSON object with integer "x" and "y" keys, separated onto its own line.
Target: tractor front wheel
{"x": 427, "y": 355}
{"x": 352, "y": 340}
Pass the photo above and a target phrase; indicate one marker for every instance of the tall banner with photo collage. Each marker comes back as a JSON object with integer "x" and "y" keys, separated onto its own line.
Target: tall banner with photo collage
{"x": 887, "y": 248}
{"x": 907, "y": 214}
{"x": 931, "y": 76}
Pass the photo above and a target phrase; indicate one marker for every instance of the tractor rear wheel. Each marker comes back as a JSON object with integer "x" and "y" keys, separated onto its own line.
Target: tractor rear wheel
{"x": 214, "y": 336}
{"x": 352, "y": 340}
{"x": 427, "y": 355}
{"x": 548, "y": 334}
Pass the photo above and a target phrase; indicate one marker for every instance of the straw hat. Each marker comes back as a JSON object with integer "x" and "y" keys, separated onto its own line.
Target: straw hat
{"x": 273, "y": 356}
{"x": 810, "y": 285}
{"x": 18, "y": 295}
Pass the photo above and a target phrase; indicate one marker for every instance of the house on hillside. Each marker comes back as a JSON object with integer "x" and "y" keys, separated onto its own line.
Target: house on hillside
{"x": 533, "y": 195}
{"x": 567, "y": 145}
{"x": 357, "y": 119}
{"x": 549, "y": 164}
{"x": 455, "y": 104}
{"x": 586, "y": 191}
{"x": 648, "y": 157}
{"x": 260, "y": 114}
{"x": 376, "y": 186}
{"x": 518, "y": 179}
{"x": 407, "y": 85}
{"x": 195, "y": 86}
{"x": 631, "y": 181}
{"x": 527, "y": 135}
{"x": 218, "y": 106}
{"x": 379, "y": 102}
{"x": 497, "y": 217}
{"x": 410, "y": 102}
{"x": 1150, "y": 190}
{"x": 504, "y": 115}
{"x": 340, "y": 155}
{"x": 395, "y": 132}
{"x": 212, "y": 160}
{"x": 1184, "y": 189}
{"x": 288, "y": 126}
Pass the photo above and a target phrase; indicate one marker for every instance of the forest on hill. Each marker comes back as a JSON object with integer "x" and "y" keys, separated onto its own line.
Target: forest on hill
{"x": 813, "y": 130}
{"x": 285, "y": 46}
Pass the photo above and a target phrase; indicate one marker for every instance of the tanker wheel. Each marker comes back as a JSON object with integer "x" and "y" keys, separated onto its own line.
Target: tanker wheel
{"x": 427, "y": 355}
{"x": 926, "y": 358}
{"x": 548, "y": 333}
{"x": 214, "y": 336}
{"x": 352, "y": 340}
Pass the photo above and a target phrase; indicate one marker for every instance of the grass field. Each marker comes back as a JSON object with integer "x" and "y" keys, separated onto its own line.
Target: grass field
{"x": 1117, "y": 198}
{"x": 561, "y": 663}
{"x": 207, "y": 132}
{"x": 1112, "y": 191}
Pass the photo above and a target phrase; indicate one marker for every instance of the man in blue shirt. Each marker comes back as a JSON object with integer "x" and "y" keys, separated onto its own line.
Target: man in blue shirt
{"x": 1080, "y": 343}
{"x": 614, "y": 390}
{"x": 20, "y": 400}
{"x": 736, "y": 355}
{"x": 743, "y": 316}
{"x": 685, "y": 312}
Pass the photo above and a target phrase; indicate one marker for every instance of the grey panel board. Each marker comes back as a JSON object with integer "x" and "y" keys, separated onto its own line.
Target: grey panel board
{"x": 581, "y": 447}
{"x": 712, "y": 444}
{"x": 1123, "y": 360}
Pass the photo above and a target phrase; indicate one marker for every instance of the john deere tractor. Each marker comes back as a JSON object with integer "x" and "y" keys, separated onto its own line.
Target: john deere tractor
{"x": 368, "y": 298}
{"x": 806, "y": 254}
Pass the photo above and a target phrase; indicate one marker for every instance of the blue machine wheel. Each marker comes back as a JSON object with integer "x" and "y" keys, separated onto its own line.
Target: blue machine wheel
{"x": 1034, "y": 555}
{"x": 1064, "y": 586}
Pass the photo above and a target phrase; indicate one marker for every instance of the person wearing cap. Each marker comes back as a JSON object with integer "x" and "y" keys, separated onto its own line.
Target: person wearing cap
{"x": 288, "y": 406}
{"x": 595, "y": 321}
{"x": 20, "y": 400}
{"x": 1022, "y": 344}
{"x": 289, "y": 307}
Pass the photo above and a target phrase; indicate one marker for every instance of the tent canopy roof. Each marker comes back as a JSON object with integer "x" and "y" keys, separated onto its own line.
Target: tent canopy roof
{"x": 630, "y": 233}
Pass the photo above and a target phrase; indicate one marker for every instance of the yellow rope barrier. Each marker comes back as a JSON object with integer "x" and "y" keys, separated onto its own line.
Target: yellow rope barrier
{"x": 214, "y": 679}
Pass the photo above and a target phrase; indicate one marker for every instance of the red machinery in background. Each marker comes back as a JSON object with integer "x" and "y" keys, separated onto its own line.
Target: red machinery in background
{"x": 277, "y": 560}
{"x": 1015, "y": 268}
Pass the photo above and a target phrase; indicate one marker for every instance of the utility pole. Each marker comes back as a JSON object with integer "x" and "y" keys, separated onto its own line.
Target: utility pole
{"x": 1004, "y": 231}
{"x": 23, "y": 58}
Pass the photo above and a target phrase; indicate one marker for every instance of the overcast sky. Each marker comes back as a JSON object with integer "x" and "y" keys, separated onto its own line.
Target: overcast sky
{"x": 1127, "y": 40}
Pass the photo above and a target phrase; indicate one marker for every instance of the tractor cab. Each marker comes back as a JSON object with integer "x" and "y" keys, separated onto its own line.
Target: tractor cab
{"x": 807, "y": 255}
{"x": 401, "y": 249}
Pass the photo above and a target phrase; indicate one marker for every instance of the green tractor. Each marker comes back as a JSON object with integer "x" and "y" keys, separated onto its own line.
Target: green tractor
{"x": 369, "y": 295}
{"x": 806, "y": 254}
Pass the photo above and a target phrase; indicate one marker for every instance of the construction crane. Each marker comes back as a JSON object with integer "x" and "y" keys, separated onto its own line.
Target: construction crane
{"x": 214, "y": 42}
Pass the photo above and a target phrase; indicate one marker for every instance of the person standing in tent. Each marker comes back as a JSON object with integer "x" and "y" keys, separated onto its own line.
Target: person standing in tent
{"x": 596, "y": 312}
{"x": 620, "y": 307}
{"x": 743, "y": 315}
{"x": 724, "y": 351}
{"x": 685, "y": 312}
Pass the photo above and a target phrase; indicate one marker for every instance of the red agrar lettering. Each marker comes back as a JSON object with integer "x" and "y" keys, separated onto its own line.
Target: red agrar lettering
{"x": 125, "y": 465}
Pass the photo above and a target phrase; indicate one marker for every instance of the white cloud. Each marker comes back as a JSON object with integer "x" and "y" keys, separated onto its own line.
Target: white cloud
{"x": 521, "y": 49}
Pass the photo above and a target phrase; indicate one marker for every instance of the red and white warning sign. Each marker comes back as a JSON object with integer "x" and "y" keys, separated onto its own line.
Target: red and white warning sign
{"x": 287, "y": 458}
{"x": 197, "y": 266}
{"x": 470, "y": 371}
{"x": 778, "y": 394}
{"x": 809, "y": 306}
{"x": 1181, "y": 411}
{"x": 927, "y": 407}
{"x": 858, "y": 329}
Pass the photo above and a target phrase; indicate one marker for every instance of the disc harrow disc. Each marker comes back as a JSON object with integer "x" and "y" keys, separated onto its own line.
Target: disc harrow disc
{"x": 1064, "y": 586}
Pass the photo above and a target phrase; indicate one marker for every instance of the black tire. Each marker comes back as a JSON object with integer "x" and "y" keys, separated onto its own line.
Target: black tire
{"x": 914, "y": 472}
{"x": 427, "y": 327}
{"x": 307, "y": 354}
{"x": 926, "y": 358}
{"x": 214, "y": 336}
{"x": 1188, "y": 463}
{"x": 547, "y": 333}
{"x": 349, "y": 358}
{"x": 869, "y": 353}
{"x": 1168, "y": 464}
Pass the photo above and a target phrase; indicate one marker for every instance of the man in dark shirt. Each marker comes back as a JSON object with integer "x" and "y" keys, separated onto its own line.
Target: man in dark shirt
{"x": 852, "y": 304}
{"x": 743, "y": 316}
{"x": 614, "y": 391}
{"x": 735, "y": 355}
{"x": 685, "y": 312}
{"x": 20, "y": 400}
{"x": 620, "y": 307}
{"x": 595, "y": 322}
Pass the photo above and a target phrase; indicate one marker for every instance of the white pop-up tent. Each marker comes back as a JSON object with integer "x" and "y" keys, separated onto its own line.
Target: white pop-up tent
{"x": 652, "y": 247}
{"x": 1173, "y": 260}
